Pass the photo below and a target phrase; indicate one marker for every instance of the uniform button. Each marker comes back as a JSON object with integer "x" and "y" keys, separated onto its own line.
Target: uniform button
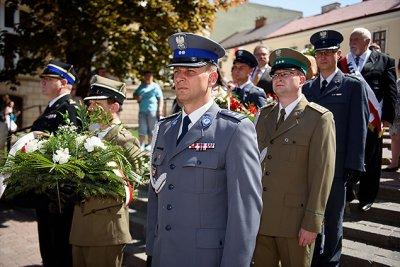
{"x": 267, "y": 173}
{"x": 168, "y": 227}
{"x": 171, "y": 186}
{"x": 269, "y": 157}
{"x": 264, "y": 189}
{"x": 172, "y": 166}
{"x": 169, "y": 207}
{"x": 199, "y": 162}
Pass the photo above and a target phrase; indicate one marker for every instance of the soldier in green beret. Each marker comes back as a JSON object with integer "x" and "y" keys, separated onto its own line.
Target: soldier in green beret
{"x": 100, "y": 226}
{"x": 297, "y": 143}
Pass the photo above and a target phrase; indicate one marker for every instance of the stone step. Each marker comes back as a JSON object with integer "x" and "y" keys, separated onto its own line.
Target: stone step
{"x": 360, "y": 254}
{"x": 380, "y": 212}
{"x": 137, "y": 224}
{"x": 389, "y": 188}
{"x": 383, "y": 236}
{"x": 134, "y": 254}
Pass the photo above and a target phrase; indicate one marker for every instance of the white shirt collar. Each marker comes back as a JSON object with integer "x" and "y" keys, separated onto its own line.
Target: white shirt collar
{"x": 195, "y": 115}
{"x": 54, "y": 100}
{"x": 363, "y": 58}
{"x": 246, "y": 83}
{"x": 289, "y": 108}
{"x": 329, "y": 78}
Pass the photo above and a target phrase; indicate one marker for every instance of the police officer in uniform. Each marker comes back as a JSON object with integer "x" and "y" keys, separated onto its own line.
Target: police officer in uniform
{"x": 205, "y": 192}
{"x": 57, "y": 80}
{"x": 247, "y": 92}
{"x": 297, "y": 143}
{"x": 345, "y": 96}
{"x": 100, "y": 226}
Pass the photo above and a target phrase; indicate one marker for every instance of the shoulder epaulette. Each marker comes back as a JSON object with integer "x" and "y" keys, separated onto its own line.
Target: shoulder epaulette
{"x": 350, "y": 75}
{"x": 317, "y": 107}
{"x": 232, "y": 114}
{"x": 172, "y": 116}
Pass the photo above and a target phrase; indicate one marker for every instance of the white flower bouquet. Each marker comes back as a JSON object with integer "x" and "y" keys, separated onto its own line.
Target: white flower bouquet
{"x": 89, "y": 166}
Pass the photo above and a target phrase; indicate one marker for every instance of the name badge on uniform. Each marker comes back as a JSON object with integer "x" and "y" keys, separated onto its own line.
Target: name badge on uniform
{"x": 202, "y": 146}
{"x": 51, "y": 116}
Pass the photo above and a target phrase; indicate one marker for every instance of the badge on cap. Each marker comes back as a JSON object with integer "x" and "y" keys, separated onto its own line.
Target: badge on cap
{"x": 323, "y": 34}
{"x": 206, "y": 120}
{"x": 278, "y": 53}
{"x": 180, "y": 42}
{"x": 240, "y": 52}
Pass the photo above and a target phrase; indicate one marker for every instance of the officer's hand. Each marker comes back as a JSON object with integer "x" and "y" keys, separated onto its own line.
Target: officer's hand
{"x": 148, "y": 262}
{"x": 306, "y": 237}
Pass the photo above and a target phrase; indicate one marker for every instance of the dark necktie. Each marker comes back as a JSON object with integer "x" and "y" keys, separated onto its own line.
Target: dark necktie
{"x": 185, "y": 128}
{"x": 357, "y": 60}
{"x": 281, "y": 118}
{"x": 323, "y": 87}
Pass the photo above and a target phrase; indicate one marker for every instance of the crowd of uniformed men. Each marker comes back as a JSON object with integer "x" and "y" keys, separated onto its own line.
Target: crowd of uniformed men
{"x": 225, "y": 191}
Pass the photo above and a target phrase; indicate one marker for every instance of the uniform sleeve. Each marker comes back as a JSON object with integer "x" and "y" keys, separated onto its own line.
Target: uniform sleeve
{"x": 357, "y": 127}
{"x": 262, "y": 99}
{"x": 390, "y": 91}
{"x": 321, "y": 168}
{"x": 243, "y": 173}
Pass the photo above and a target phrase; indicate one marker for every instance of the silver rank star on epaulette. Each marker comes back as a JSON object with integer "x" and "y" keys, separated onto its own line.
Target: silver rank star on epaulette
{"x": 202, "y": 146}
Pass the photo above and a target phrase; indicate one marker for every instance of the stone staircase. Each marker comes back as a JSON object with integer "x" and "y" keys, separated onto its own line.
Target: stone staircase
{"x": 370, "y": 239}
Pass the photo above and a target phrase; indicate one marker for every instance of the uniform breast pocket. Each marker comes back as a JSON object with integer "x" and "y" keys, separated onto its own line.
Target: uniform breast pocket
{"x": 295, "y": 149}
{"x": 201, "y": 173}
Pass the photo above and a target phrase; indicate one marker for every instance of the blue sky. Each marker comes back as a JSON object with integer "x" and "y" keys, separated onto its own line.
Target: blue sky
{"x": 308, "y": 7}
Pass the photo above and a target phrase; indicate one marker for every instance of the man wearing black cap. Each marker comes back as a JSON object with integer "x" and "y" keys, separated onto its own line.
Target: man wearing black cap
{"x": 100, "y": 226}
{"x": 57, "y": 80}
{"x": 297, "y": 143}
{"x": 248, "y": 93}
{"x": 205, "y": 192}
{"x": 345, "y": 96}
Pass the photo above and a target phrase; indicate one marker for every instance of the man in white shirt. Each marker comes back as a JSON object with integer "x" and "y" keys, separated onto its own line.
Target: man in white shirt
{"x": 261, "y": 76}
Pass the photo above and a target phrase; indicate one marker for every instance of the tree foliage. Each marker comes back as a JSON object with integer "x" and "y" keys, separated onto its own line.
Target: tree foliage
{"x": 123, "y": 36}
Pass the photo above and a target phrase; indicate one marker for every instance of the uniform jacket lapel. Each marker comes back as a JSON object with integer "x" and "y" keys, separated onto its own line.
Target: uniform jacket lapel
{"x": 369, "y": 65}
{"x": 334, "y": 84}
{"x": 196, "y": 132}
{"x": 293, "y": 119}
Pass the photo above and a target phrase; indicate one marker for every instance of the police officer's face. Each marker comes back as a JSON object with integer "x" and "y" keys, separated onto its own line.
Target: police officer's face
{"x": 51, "y": 87}
{"x": 240, "y": 72}
{"x": 287, "y": 82}
{"x": 358, "y": 43}
{"x": 193, "y": 85}
{"x": 327, "y": 59}
{"x": 262, "y": 56}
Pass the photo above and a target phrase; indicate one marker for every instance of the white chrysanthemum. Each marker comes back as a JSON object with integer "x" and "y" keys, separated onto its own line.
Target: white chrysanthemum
{"x": 41, "y": 144}
{"x": 92, "y": 142}
{"x": 80, "y": 139}
{"x": 61, "y": 156}
{"x": 32, "y": 146}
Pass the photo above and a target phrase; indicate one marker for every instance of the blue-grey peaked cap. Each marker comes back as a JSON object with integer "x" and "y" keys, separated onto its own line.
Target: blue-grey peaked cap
{"x": 191, "y": 50}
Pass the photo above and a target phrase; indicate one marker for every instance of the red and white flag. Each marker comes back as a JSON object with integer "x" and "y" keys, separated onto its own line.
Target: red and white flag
{"x": 348, "y": 65}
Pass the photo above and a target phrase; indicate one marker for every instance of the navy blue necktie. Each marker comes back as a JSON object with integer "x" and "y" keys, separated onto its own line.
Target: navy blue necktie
{"x": 357, "y": 60}
{"x": 185, "y": 128}
{"x": 323, "y": 87}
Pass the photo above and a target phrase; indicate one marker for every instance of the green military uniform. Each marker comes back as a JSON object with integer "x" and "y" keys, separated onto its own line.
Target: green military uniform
{"x": 100, "y": 226}
{"x": 298, "y": 161}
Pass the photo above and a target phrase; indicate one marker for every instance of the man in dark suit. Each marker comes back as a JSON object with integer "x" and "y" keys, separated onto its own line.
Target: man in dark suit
{"x": 379, "y": 72}
{"x": 261, "y": 75}
{"x": 345, "y": 96}
{"x": 54, "y": 226}
{"x": 247, "y": 92}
